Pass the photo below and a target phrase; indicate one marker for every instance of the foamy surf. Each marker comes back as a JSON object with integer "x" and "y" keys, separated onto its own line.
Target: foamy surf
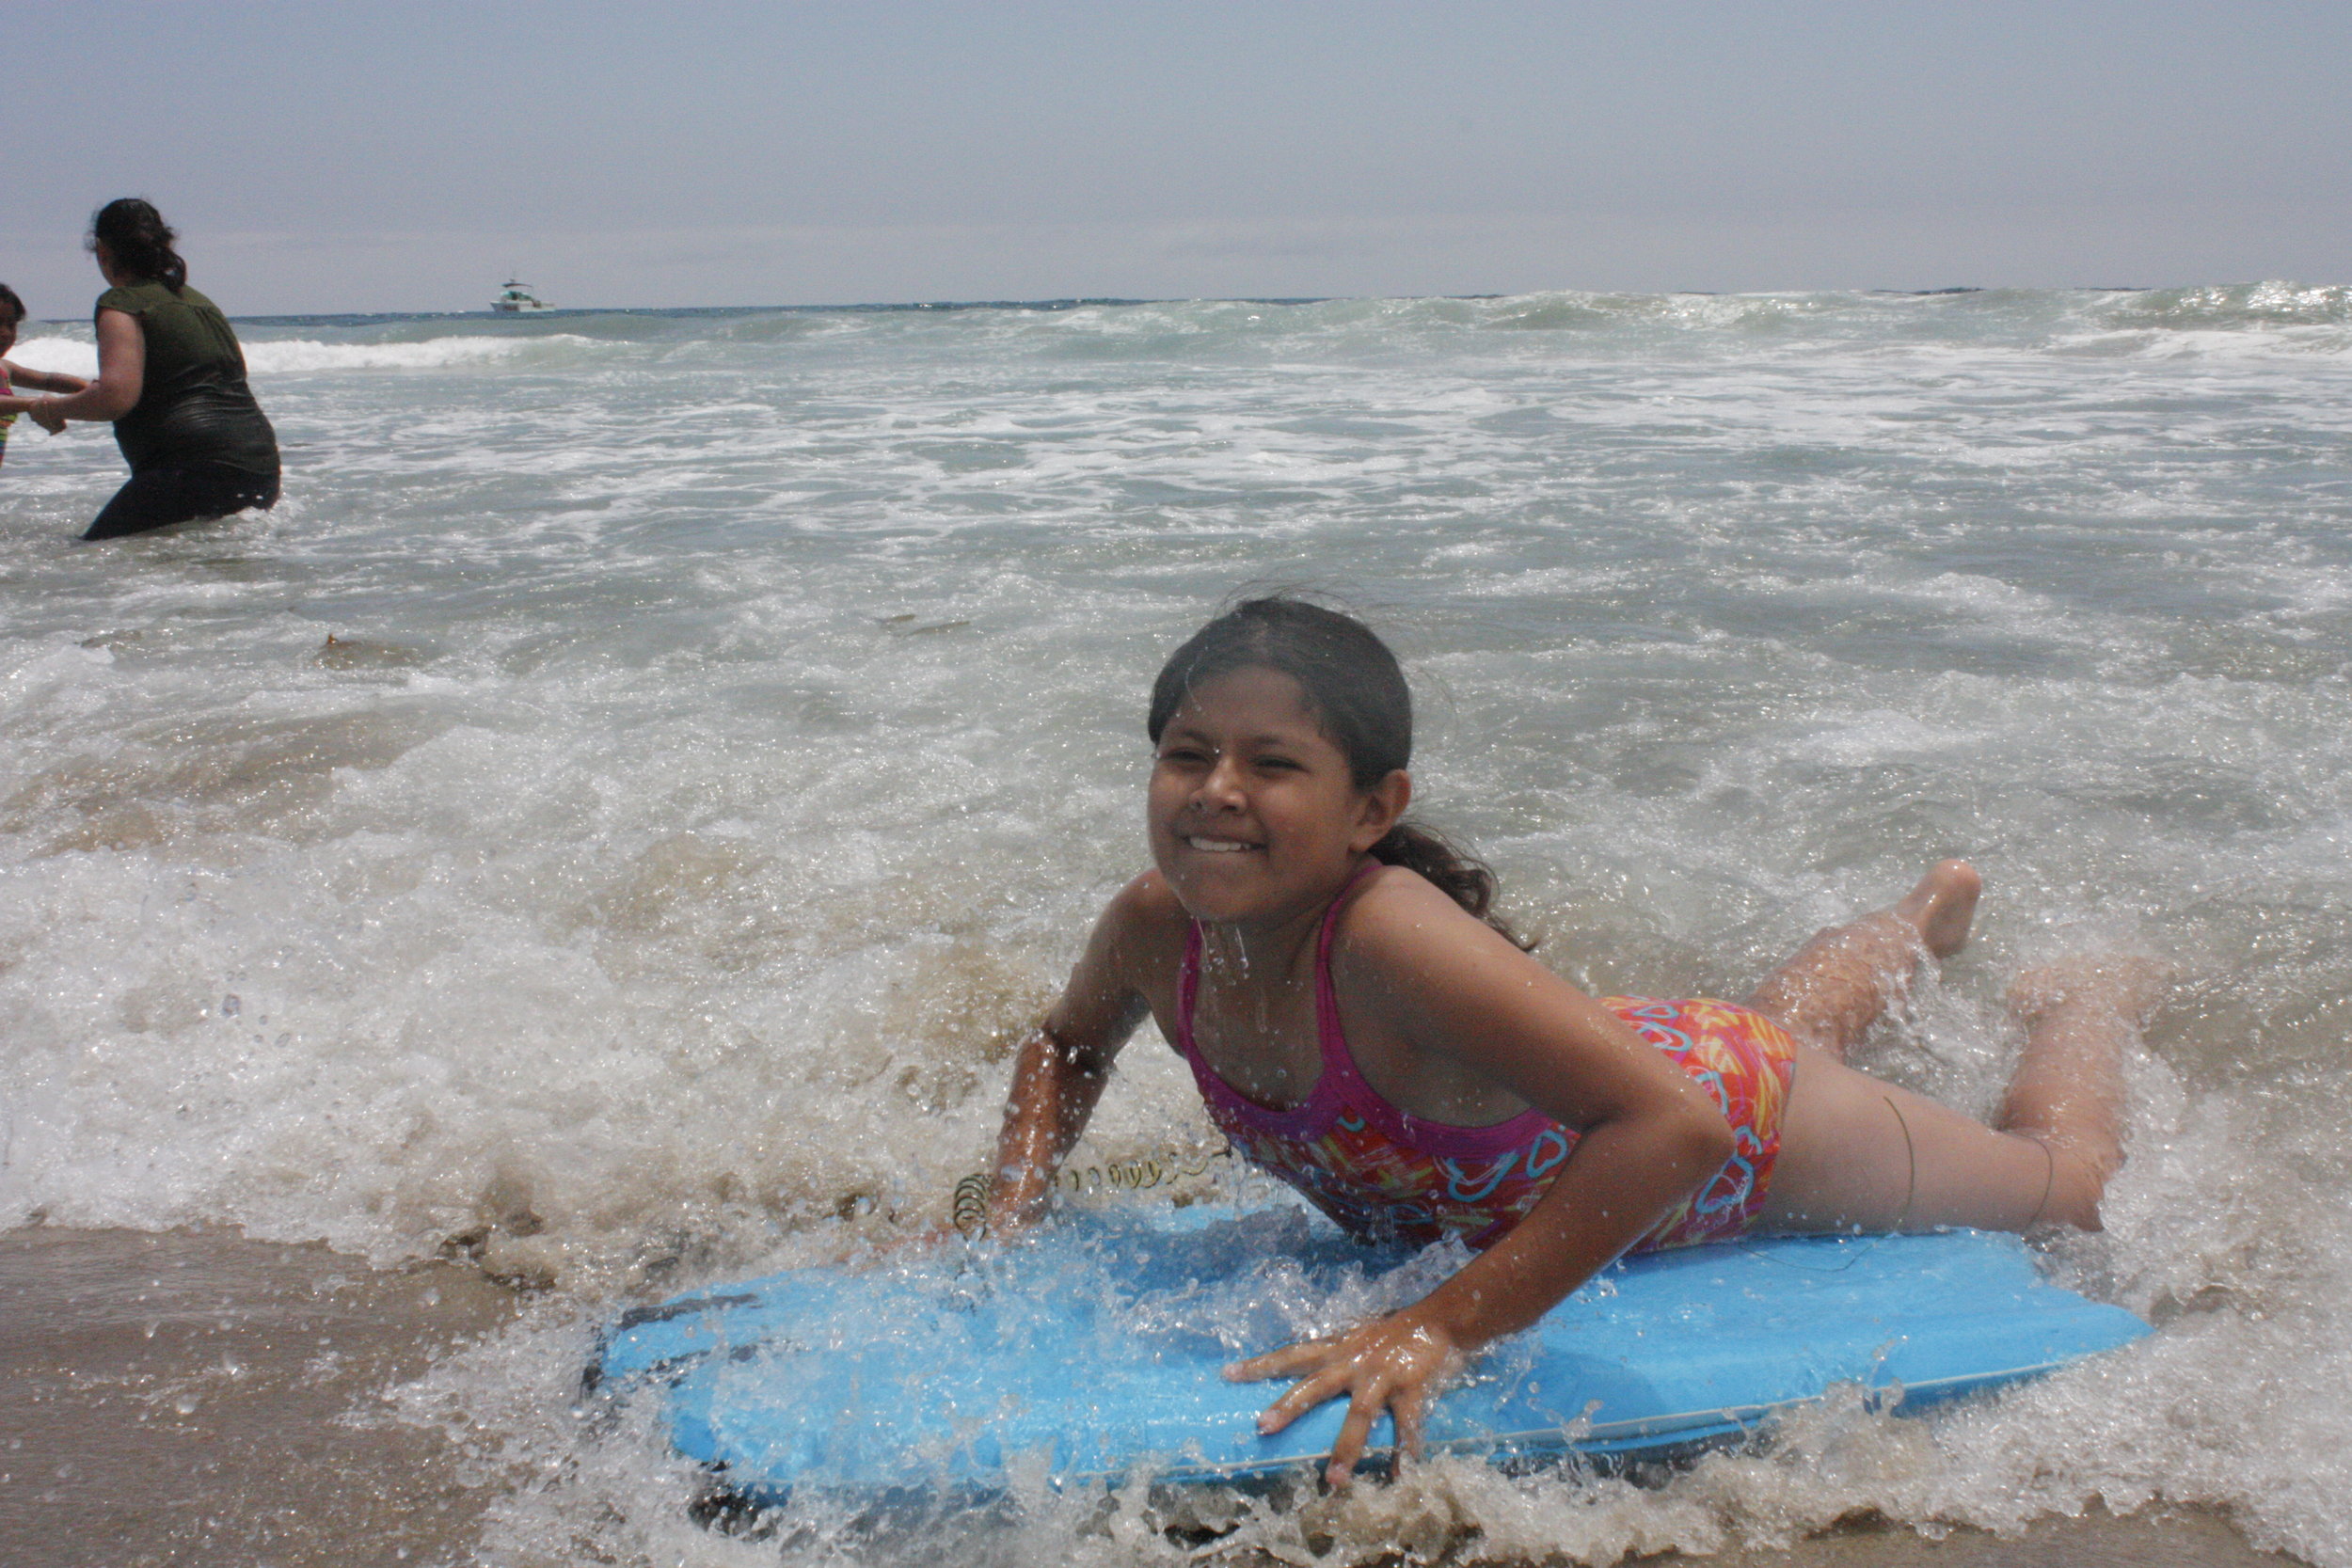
{"x": 612, "y": 817}
{"x": 268, "y": 356}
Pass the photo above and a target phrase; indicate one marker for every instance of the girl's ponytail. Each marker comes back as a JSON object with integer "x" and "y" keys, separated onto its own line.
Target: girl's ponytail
{"x": 1450, "y": 869}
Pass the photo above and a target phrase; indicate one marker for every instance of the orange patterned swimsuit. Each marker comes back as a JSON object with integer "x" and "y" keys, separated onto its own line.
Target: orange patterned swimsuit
{"x": 1384, "y": 1175}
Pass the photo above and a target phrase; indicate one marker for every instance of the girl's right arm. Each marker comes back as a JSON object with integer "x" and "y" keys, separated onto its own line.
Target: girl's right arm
{"x": 1066, "y": 1061}
{"x": 46, "y": 381}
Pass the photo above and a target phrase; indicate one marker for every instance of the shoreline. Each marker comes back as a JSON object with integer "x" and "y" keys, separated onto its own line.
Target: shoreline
{"x": 182, "y": 1398}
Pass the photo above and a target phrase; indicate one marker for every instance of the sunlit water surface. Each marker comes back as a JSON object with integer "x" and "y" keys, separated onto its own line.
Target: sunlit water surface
{"x": 622, "y": 805}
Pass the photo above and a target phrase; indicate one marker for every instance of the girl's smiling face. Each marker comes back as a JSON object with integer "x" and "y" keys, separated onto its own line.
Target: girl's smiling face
{"x": 1254, "y": 813}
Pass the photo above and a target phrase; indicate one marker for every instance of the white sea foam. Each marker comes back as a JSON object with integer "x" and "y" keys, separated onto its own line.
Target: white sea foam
{"x": 269, "y": 357}
{"x": 294, "y": 356}
{"x": 73, "y": 356}
{"x": 730, "y": 727}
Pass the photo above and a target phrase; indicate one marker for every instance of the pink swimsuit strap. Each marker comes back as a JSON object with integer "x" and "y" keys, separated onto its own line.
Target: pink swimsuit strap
{"x": 1339, "y": 1089}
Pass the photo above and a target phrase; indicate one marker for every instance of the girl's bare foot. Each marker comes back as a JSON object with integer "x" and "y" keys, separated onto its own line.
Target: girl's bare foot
{"x": 1941, "y": 905}
{"x": 1828, "y": 994}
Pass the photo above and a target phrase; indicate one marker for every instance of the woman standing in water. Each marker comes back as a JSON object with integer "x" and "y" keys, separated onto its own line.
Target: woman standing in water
{"x": 171, "y": 378}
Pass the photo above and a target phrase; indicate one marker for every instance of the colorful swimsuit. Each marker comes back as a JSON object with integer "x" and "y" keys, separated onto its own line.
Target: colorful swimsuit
{"x": 1383, "y": 1174}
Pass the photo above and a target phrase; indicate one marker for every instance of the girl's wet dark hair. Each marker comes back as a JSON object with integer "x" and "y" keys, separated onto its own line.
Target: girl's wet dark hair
{"x": 1357, "y": 692}
{"x": 11, "y": 307}
{"x": 138, "y": 239}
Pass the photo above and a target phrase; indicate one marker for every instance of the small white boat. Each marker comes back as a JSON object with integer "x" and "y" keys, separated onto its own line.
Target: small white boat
{"x": 515, "y": 299}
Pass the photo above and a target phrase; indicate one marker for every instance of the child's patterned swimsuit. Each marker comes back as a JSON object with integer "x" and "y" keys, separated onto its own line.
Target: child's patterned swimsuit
{"x": 1385, "y": 1175}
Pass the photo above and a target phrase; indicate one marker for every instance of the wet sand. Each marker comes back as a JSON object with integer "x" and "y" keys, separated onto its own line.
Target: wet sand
{"x": 175, "y": 1398}
{"x": 184, "y": 1398}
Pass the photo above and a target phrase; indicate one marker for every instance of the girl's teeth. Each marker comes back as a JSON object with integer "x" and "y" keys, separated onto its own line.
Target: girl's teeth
{"x": 1217, "y": 844}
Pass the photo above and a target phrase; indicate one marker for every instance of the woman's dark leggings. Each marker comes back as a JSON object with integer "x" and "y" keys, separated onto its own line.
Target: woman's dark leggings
{"x": 158, "y": 496}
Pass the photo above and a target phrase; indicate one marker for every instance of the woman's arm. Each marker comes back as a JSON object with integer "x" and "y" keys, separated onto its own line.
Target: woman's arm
{"x": 122, "y": 377}
{"x": 1647, "y": 1137}
{"x": 1064, "y": 1064}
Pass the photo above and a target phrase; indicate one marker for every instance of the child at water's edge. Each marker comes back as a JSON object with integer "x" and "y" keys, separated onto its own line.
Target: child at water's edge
{"x": 12, "y": 375}
{"x": 1360, "y": 1026}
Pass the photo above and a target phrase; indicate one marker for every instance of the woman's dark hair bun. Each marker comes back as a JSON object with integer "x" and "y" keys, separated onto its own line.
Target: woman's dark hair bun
{"x": 1357, "y": 692}
{"x": 138, "y": 239}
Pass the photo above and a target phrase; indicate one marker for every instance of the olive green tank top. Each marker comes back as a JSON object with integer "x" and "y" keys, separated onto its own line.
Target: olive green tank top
{"x": 193, "y": 404}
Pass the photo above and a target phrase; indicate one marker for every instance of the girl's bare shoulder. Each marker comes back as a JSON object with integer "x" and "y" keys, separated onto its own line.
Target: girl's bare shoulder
{"x": 1148, "y": 901}
{"x": 1144, "y": 926}
{"x": 1401, "y": 926}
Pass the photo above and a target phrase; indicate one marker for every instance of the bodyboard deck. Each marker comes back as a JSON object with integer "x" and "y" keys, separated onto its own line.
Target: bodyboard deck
{"x": 1096, "y": 1349}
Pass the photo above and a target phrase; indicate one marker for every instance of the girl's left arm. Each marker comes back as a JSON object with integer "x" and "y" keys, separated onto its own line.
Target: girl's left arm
{"x": 1647, "y": 1137}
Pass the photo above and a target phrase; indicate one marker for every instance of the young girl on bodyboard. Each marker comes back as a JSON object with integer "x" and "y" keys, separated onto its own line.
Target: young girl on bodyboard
{"x": 1360, "y": 1026}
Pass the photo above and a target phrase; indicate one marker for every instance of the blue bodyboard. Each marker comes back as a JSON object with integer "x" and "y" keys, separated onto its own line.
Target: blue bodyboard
{"x": 1095, "y": 1351}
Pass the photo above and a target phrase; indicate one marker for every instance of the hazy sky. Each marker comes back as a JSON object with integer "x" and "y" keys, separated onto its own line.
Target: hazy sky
{"x": 348, "y": 155}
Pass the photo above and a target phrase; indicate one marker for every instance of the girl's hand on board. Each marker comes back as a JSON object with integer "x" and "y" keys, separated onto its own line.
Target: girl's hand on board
{"x": 1396, "y": 1363}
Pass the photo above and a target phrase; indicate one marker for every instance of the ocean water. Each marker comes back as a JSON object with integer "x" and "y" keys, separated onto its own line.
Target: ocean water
{"x": 614, "y": 817}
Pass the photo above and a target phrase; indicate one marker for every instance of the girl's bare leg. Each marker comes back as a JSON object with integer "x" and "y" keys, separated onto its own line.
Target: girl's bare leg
{"x": 1835, "y": 987}
{"x": 2081, "y": 1014}
{"x": 1858, "y": 1154}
